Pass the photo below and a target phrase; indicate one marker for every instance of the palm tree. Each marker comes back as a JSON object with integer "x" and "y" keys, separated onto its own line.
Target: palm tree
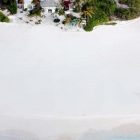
{"x": 87, "y": 11}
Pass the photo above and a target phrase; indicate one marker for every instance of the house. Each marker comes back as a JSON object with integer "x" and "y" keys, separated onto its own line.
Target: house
{"x": 20, "y": 4}
{"x": 67, "y": 4}
{"x": 49, "y": 5}
{"x": 25, "y": 4}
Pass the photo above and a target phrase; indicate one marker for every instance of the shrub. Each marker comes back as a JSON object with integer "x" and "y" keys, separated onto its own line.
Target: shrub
{"x": 13, "y": 8}
{"x": 61, "y": 11}
{"x": 35, "y": 12}
{"x": 11, "y": 5}
{"x": 97, "y": 19}
{"x": 107, "y": 6}
{"x": 122, "y": 13}
{"x": 132, "y": 12}
{"x": 3, "y": 18}
{"x": 102, "y": 11}
{"x": 126, "y": 14}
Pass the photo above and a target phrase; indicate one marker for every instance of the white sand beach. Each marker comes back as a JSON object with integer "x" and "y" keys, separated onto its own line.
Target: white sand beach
{"x": 46, "y": 73}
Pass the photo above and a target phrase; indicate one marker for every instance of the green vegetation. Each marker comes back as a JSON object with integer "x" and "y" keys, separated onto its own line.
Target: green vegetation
{"x": 97, "y": 12}
{"x": 3, "y": 18}
{"x": 36, "y": 11}
{"x": 13, "y": 8}
{"x": 11, "y": 5}
{"x": 90, "y": 12}
{"x": 97, "y": 19}
{"x": 129, "y": 13}
{"x": 110, "y": 23}
{"x": 61, "y": 11}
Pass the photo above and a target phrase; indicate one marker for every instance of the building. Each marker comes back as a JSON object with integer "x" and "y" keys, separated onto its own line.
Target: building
{"x": 67, "y": 4}
{"x": 25, "y": 4}
{"x": 49, "y": 5}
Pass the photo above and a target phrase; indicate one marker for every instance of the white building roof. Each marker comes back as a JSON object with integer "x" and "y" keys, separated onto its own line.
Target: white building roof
{"x": 49, "y": 3}
{"x": 45, "y": 3}
{"x": 27, "y": 1}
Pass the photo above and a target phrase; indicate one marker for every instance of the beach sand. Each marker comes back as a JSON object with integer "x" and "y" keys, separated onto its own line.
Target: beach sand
{"x": 47, "y": 74}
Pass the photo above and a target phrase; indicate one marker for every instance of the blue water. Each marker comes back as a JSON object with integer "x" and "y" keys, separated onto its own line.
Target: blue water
{"x": 125, "y": 138}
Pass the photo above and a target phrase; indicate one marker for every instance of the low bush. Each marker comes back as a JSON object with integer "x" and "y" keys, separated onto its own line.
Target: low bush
{"x": 11, "y": 5}
{"x": 98, "y": 18}
{"x": 3, "y": 18}
{"x": 13, "y": 8}
{"x": 131, "y": 12}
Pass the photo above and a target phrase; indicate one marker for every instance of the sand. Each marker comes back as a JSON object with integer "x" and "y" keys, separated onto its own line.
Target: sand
{"x": 46, "y": 73}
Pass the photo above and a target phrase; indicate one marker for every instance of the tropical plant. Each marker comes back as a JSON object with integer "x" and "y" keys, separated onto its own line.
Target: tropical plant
{"x": 3, "y": 18}
{"x": 87, "y": 11}
{"x": 11, "y": 5}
